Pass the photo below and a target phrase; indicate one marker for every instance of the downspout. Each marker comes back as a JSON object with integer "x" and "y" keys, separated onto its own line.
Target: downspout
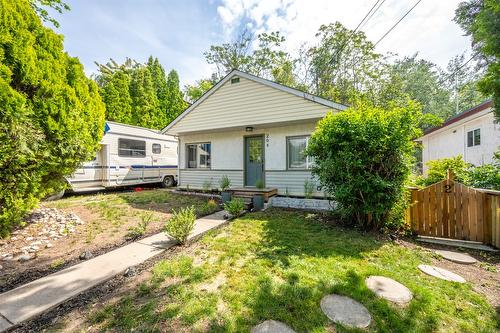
{"x": 178, "y": 161}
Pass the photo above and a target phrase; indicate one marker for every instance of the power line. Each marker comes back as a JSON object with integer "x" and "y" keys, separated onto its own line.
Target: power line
{"x": 401, "y": 19}
{"x": 457, "y": 69}
{"x": 371, "y": 15}
{"x": 354, "y": 31}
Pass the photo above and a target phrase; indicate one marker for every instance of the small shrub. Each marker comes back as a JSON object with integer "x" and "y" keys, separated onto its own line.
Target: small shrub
{"x": 438, "y": 171}
{"x": 207, "y": 186}
{"x": 208, "y": 207}
{"x": 224, "y": 183}
{"x": 140, "y": 229}
{"x": 180, "y": 225}
{"x": 308, "y": 188}
{"x": 235, "y": 206}
{"x": 485, "y": 176}
{"x": 259, "y": 184}
{"x": 57, "y": 263}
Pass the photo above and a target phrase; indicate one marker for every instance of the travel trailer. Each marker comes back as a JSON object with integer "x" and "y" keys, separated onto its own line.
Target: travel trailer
{"x": 129, "y": 155}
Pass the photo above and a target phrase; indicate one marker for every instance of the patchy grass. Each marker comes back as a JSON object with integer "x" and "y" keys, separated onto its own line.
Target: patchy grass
{"x": 278, "y": 265}
{"x": 110, "y": 220}
{"x": 113, "y": 213}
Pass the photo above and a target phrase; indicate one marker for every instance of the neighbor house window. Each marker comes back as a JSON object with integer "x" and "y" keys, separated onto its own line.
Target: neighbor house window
{"x": 198, "y": 155}
{"x": 474, "y": 138}
{"x": 131, "y": 148}
{"x": 297, "y": 159}
{"x": 156, "y": 148}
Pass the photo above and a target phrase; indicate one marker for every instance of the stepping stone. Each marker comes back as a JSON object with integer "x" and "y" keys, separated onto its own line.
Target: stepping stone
{"x": 389, "y": 289}
{"x": 345, "y": 311}
{"x": 441, "y": 273}
{"x": 458, "y": 257}
{"x": 272, "y": 326}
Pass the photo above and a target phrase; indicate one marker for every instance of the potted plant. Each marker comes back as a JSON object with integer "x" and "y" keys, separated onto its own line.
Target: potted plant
{"x": 225, "y": 184}
{"x": 258, "y": 198}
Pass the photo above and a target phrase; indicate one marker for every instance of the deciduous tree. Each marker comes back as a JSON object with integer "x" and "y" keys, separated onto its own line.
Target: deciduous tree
{"x": 480, "y": 20}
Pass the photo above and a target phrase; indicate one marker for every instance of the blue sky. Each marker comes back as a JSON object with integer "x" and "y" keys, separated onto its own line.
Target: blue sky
{"x": 178, "y": 32}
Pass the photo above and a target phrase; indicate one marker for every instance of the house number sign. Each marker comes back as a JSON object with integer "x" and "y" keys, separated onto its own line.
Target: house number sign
{"x": 267, "y": 140}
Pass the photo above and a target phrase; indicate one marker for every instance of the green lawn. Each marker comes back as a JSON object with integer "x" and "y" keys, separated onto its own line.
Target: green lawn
{"x": 278, "y": 265}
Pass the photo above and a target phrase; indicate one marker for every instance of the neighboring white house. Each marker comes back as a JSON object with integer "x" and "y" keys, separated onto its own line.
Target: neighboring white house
{"x": 474, "y": 134}
{"x": 129, "y": 155}
{"x": 249, "y": 129}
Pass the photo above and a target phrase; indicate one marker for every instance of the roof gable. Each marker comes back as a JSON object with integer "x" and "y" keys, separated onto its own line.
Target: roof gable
{"x": 249, "y": 102}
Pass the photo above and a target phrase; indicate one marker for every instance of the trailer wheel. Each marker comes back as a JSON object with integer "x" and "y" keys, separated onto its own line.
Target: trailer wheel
{"x": 168, "y": 181}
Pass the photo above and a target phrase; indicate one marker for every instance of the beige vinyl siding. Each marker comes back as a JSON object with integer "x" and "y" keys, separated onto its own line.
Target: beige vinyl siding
{"x": 248, "y": 103}
{"x": 291, "y": 180}
{"x": 196, "y": 178}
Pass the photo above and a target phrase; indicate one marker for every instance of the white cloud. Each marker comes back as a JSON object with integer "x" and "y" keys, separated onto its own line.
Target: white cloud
{"x": 428, "y": 29}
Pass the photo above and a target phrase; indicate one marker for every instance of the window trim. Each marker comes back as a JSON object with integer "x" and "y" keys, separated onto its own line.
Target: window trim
{"x": 186, "y": 145}
{"x": 153, "y": 149}
{"x": 309, "y": 163}
{"x": 127, "y": 156}
{"x": 473, "y": 133}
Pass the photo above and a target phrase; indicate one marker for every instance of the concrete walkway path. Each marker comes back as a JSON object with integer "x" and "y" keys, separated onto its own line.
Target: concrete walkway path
{"x": 32, "y": 299}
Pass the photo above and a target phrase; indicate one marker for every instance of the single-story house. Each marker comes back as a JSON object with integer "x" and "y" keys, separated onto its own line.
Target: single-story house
{"x": 249, "y": 129}
{"x": 473, "y": 133}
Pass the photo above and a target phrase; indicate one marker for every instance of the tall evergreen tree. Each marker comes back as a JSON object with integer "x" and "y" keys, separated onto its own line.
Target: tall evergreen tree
{"x": 116, "y": 97}
{"x": 51, "y": 115}
{"x": 175, "y": 100}
{"x": 160, "y": 83}
{"x": 144, "y": 101}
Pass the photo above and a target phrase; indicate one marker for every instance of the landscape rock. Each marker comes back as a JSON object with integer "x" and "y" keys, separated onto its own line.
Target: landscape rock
{"x": 272, "y": 326}
{"x": 43, "y": 226}
{"x": 131, "y": 271}
{"x": 86, "y": 255}
{"x": 346, "y": 311}
{"x": 24, "y": 257}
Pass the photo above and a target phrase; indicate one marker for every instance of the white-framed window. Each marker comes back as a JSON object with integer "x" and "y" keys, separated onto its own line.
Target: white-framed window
{"x": 198, "y": 155}
{"x": 474, "y": 138}
{"x": 131, "y": 148}
{"x": 156, "y": 148}
{"x": 296, "y": 157}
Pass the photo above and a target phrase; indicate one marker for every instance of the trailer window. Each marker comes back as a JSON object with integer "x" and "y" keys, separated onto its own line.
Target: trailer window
{"x": 131, "y": 148}
{"x": 156, "y": 148}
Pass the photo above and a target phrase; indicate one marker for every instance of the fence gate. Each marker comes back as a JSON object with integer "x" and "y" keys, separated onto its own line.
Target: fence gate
{"x": 452, "y": 210}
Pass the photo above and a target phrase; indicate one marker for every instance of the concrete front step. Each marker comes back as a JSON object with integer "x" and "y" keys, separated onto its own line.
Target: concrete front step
{"x": 34, "y": 298}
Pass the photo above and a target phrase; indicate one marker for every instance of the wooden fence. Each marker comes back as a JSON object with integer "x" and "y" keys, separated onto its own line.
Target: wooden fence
{"x": 449, "y": 209}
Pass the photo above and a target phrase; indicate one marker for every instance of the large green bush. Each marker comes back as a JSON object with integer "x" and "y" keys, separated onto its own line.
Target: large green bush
{"x": 51, "y": 115}
{"x": 363, "y": 157}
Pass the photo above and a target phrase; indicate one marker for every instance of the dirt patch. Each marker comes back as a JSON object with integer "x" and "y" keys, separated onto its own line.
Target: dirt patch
{"x": 73, "y": 314}
{"x": 484, "y": 274}
{"x": 107, "y": 221}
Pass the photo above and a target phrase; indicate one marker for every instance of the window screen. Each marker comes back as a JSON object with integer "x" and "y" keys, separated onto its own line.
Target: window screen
{"x": 131, "y": 148}
{"x": 199, "y": 155}
{"x": 156, "y": 148}
{"x": 297, "y": 159}
{"x": 474, "y": 138}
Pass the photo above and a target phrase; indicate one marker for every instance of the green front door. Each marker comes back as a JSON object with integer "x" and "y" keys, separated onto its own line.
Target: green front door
{"x": 254, "y": 160}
